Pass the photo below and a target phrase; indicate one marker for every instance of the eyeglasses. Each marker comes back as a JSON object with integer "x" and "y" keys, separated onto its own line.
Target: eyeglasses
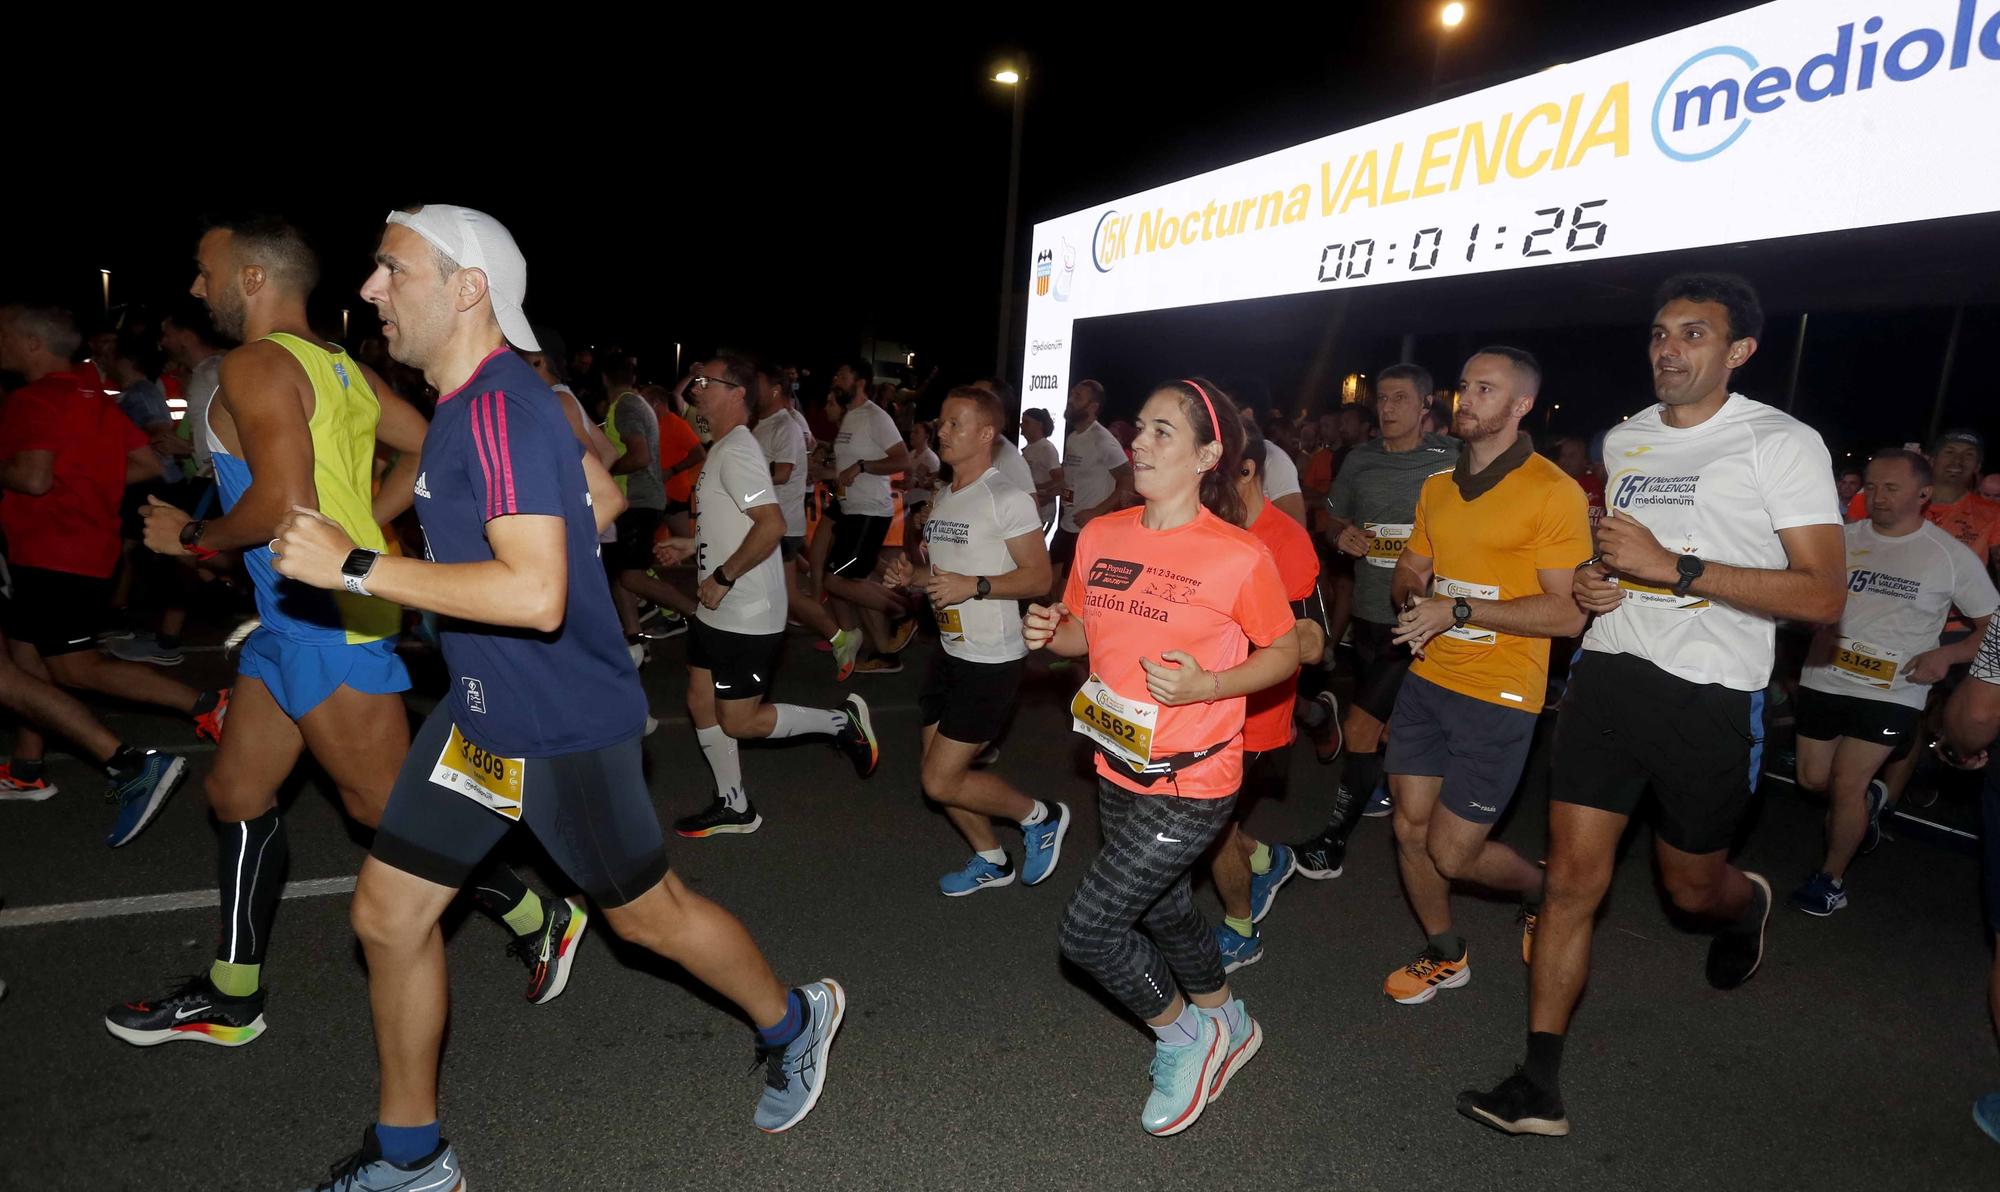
{"x": 702, "y": 381}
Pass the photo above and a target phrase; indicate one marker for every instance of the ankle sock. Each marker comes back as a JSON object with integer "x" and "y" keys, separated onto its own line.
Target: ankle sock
{"x": 1449, "y": 945}
{"x": 1040, "y": 813}
{"x": 1545, "y": 1054}
{"x": 1260, "y": 859}
{"x": 786, "y": 1029}
{"x": 1242, "y": 927}
{"x": 1184, "y": 1031}
{"x": 404, "y": 1145}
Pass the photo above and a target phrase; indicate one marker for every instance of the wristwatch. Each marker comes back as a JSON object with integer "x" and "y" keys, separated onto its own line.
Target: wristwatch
{"x": 1690, "y": 568}
{"x": 354, "y": 572}
{"x": 1461, "y": 612}
{"x": 722, "y": 577}
{"x": 983, "y": 590}
{"x": 191, "y": 539}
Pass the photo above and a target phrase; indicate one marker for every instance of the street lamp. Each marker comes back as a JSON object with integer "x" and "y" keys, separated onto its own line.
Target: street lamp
{"x": 1009, "y": 76}
{"x": 1449, "y": 18}
{"x": 107, "y": 289}
{"x": 1453, "y": 15}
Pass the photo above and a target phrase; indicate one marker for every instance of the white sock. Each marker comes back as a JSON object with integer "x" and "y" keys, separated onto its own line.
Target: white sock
{"x": 720, "y": 750}
{"x": 796, "y": 721}
{"x": 1232, "y": 1015}
{"x": 1040, "y": 813}
{"x": 997, "y": 856}
{"x": 1184, "y": 1031}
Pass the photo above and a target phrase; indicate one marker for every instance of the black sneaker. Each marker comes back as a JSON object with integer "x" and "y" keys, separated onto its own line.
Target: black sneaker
{"x": 550, "y": 952}
{"x": 1733, "y": 956}
{"x": 197, "y": 1012}
{"x": 857, "y": 740}
{"x": 1518, "y": 1106}
{"x": 1321, "y": 857}
{"x": 718, "y": 819}
{"x": 989, "y": 756}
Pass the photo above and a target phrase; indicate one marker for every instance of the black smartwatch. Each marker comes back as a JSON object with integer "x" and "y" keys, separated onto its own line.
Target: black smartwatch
{"x": 1461, "y": 612}
{"x": 1690, "y": 568}
{"x": 191, "y": 534}
{"x": 722, "y": 577}
{"x": 354, "y": 572}
{"x": 983, "y": 590}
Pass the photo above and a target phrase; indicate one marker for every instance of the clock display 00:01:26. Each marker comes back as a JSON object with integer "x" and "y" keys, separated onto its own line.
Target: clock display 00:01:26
{"x": 1355, "y": 260}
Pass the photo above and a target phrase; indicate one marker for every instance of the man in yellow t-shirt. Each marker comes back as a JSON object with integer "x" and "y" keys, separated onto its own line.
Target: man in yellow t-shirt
{"x": 1483, "y": 585}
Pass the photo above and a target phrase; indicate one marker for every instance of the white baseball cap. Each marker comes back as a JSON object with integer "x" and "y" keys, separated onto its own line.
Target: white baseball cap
{"x": 478, "y": 241}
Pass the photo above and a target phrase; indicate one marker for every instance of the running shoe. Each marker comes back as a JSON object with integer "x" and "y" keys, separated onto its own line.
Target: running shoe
{"x": 989, "y": 756}
{"x": 367, "y": 1171}
{"x": 795, "y": 1073}
{"x": 857, "y": 738}
{"x": 900, "y": 636}
{"x": 1986, "y": 1112}
{"x": 208, "y": 725}
{"x": 637, "y": 653}
{"x": 1733, "y": 956}
{"x": 1238, "y": 951}
{"x": 1517, "y": 1106}
{"x": 666, "y": 625}
{"x": 1380, "y": 805}
{"x": 1419, "y": 981}
{"x": 978, "y": 874}
{"x": 718, "y": 819}
{"x": 1322, "y": 858}
{"x": 879, "y": 666}
{"x": 1326, "y": 739}
{"x": 1821, "y": 895}
{"x": 1878, "y": 802}
{"x": 144, "y": 647}
{"x": 1182, "y": 1076}
{"x": 845, "y": 647}
{"x": 1530, "y": 917}
{"x": 652, "y": 725}
{"x": 196, "y": 1011}
{"x": 24, "y": 790}
{"x": 141, "y": 796}
{"x": 551, "y": 952}
{"x": 1264, "y": 886}
{"x": 1238, "y": 1050}
{"x": 1041, "y": 844}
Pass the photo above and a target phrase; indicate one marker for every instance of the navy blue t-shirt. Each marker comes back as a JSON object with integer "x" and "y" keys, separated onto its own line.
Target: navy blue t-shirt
{"x": 500, "y": 445}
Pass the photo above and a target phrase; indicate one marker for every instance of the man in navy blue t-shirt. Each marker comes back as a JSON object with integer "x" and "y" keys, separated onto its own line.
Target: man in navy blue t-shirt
{"x": 544, "y": 719}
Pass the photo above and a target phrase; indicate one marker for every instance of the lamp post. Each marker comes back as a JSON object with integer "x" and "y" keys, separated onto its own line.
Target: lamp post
{"x": 1449, "y": 18}
{"x": 107, "y": 289}
{"x": 1014, "y": 77}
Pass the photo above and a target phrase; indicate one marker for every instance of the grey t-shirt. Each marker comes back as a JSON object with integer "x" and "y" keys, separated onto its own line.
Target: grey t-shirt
{"x": 1377, "y": 489}
{"x": 633, "y": 416}
{"x": 201, "y": 387}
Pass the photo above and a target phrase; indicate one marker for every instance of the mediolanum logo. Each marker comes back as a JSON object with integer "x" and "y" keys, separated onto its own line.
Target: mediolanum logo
{"x": 1707, "y": 103}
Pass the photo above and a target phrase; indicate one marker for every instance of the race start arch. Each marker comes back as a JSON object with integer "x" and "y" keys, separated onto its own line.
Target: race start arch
{"x": 1794, "y": 118}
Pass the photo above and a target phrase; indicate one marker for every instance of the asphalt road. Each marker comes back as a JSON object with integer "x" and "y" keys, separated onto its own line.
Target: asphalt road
{"x": 972, "y": 1057}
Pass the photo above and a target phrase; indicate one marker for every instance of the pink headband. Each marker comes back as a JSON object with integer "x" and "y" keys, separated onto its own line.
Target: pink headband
{"x": 1212, "y": 423}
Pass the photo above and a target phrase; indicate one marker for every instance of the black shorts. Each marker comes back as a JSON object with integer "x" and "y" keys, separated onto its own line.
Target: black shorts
{"x": 634, "y": 549}
{"x": 968, "y": 701}
{"x": 1823, "y": 716}
{"x": 1380, "y": 665}
{"x": 1627, "y": 725}
{"x": 1478, "y": 748}
{"x": 1062, "y": 548}
{"x": 591, "y": 811}
{"x": 790, "y": 547}
{"x": 739, "y": 664}
{"x": 857, "y": 543}
{"x": 54, "y": 611}
{"x": 1266, "y": 775}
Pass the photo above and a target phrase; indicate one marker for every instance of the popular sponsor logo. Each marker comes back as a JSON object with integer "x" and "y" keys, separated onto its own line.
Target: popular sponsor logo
{"x": 1038, "y": 346}
{"x": 1706, "y": 104}
{"x": 1041, "y": 381}
{"x": 1636, "y": 490}
{"x": 1044, "y": 266}
{"x": 1115, "y": 574}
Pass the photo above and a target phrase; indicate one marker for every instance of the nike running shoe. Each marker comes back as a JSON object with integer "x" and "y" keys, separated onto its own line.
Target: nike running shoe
{"x": 718, "y": 819}
{"x": 24, "y": 790}
{"x": 1238, "y": 951}
{"x": 196, "y": 1012}
{"x": 978, "y": 874}
{"x": 1517, "y": 1106}
{"x": 795, "y": 1073}
{"x": 367, "y": 1171}
{"x": 1041, "y": 844}
{"x": 1264, "y": 886}
{"x": 140, "y": 797}
{"x": 846, "y": 647}
{"x": 208, "y": 725}
{"x": 1182, "y": 1077}
{"x": 551, "y": 952}
{"x": 1421, "y": 979}
{"x": 857, "y": 738}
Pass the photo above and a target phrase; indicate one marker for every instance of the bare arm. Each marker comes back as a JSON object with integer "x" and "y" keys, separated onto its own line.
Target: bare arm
{"x": 606, "y": 502}
{"x": 525, "y": 585}
{"x": 1121, "y": 494}
{"x": 767, "y": 527}
{"x": 260, "y": 393}
{"x": 1031, "y": 573}
{"x": 143, "y": 464}
{"x": 898, "y": 460}
{"x": 781, "y": 473}
{"x": 1293, "y": 505}
{"x": 1412, "y": 578}
{"x": 1812, "y": 586}
{"x": 30, "y": 472}
{"x": 401, "y": 429}
{"x": 1552, "y": 612}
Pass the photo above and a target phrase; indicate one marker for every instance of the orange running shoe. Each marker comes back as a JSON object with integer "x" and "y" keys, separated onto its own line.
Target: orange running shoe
{"x": 208, "y": 725}
{"x": 1420, "y": 980}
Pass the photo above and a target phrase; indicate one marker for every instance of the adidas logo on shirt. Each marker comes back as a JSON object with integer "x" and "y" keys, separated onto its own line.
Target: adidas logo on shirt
{"x": 422, "y": 489}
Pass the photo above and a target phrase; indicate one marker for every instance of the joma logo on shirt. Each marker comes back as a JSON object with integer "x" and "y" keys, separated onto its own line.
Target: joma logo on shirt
{"x": 1115, "y": 574}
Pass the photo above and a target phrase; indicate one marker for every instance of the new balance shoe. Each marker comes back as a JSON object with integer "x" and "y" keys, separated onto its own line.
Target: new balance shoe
{"x": 1238, "y": 951}
{"x": 1821, "y": 895}
{"x": 795, "y": 1073}
{"x": 978, "y": 874}
{"x": 1878, "y": 802}
{"x": 1734, "y": 956}
{"x": 1238, "y": 1049}
{"x": 1421, "y": 979}
{"x": 1517, "y": 1106}
{"x": 1041, "y": 845}
{"x": 1182, "y": 1077}
{"x": 208, "y": 725}
{"x": 1322, "y": 858}
{"x": 1264, "y": 886}
{"x": 367, "y": 1171}
{"x": 857, "y": 738}
{"x": 140, "y": 797}
{"x": 196, "y": 1012}
{"x": 718, "y": 819}
{"x": 24, "y": 790}
{"x": 551, "y": 952}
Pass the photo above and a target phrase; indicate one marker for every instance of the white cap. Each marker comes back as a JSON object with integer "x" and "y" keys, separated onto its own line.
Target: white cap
{"x": 478, "y": 241}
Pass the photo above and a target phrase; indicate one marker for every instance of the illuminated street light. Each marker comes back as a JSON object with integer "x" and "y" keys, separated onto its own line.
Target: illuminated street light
{"x": 1453, "y": 15}
{"x": 1009, "y": 77}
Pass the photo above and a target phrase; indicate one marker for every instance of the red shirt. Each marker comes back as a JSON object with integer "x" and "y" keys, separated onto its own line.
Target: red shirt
{"x": 1267, "y": 720}
{"x": 677, "y": 442}
{"x": 74, "y": 526}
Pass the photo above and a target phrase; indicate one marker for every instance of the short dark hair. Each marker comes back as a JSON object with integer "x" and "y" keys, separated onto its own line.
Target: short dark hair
{"x": 1095, "y": 389}
{"x": 190, "y": 314}
{"x": 1415, "y": 374}
{"x": 1520, "y": 358}
{"x": 741, "y": 372}
{"x": 275, "y": 243}
{"x": 554, "y": 354}
{"x": 772, "y": 371}
{"x": 863, "y": 371}
{"x": 616, "y": 368}
{"x": 1736, "y": 295}
{"x": 1847, "y": 469}
{"x": 999, "y": 389}
{"x": 1042, "y": 417}
{"x": 1362, "y": 411}
{"x": 1918, "y": 464}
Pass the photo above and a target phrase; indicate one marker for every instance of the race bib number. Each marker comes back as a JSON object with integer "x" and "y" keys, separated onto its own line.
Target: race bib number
{"x": 948, "y": 622}
{"x": 1388, "y": 542}
{"x": 1872, "y": 666}
{"x": 1122, "y": 727}
{"x": 492, "y": 781}
{"x": 1648, "y": 596}
{"x": 1455, "y": 588}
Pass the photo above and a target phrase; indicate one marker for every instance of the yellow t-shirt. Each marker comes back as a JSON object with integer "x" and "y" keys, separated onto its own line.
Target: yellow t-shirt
{"x": 1493, "y": 548}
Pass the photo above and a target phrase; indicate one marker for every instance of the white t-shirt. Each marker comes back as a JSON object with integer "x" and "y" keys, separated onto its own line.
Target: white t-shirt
{"x": 1087, "y": 462}
{"x": 1721, "y": 490}
{"x": 924, "y": 463}
{"x": 1281, "y": 475}
{"x": 967, "y": 535}
{"x": 1899, "y": 593}
{"x": 736, "y": 478}
{"x": 1042, "y": 459}
{"x": 785, "y": 440}
{"x": 1012, "y": 468}
{"x": 610, "y": 532}
{"x": 867, "y": 433}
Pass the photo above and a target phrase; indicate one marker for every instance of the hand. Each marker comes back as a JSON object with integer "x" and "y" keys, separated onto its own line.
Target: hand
{"x": 1312, "y": 642}
{"x": 948, "y": 588}
{"x": 1354, "y": 541}
{"x": 1927, "y": 667}
{"x": 1038, "y": 624}
{"x": 710, "y": 593}
{"x": 310, "y": 547}
{"x": 163, "y": 527}
{"x": 1976, "y": 762}
{"x": 672, "y": 552}
{"x": 1183, "y": 682}
{"x": 848, "y": 474}
{"x": 1421, "y": 622}
{"x": 1629, "y": 548}
{"x": 1595, "y": 591}
{"x": 899, "y": 573}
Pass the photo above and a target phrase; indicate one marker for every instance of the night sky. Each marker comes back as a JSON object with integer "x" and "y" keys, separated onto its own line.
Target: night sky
{"x": 795, "y": 191}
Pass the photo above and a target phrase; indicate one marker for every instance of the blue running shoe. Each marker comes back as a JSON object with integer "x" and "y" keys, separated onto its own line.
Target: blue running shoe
{"x": 1237, "y": 1048}
{"x": 367, "y": 1171}
{"x": 978, "y": 874}
{"x": 1986, "y": 1111}
{"x": 1264, "y": 886}
{"x": 1042, "y": 845}
{"x": 1820, "y": 896}
{"x": 1379, "y": 806}
{"x": 1878, "y": 802}
{"x": 1238, "y": 951}
{"x": 795, "y": 1073}
{"x": 141, "y": 796}
{"x": 1182, "y": 1077}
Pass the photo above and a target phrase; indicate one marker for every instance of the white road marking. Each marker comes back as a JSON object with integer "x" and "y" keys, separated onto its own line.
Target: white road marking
{"x": 112, "y": 908}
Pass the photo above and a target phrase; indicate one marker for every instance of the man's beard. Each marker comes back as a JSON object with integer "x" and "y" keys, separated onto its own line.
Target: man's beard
{"x": 228, "y": 320}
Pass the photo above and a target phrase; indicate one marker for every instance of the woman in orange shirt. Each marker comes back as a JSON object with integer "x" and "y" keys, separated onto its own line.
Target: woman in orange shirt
{"x": 1168, "y": 601}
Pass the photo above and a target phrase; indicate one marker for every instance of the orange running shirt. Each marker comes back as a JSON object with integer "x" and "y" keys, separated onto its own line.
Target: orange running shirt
{"x": 1206, "y": 588}
{"x": 677, "y": 442}
{"x": 1268, "y": 718}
